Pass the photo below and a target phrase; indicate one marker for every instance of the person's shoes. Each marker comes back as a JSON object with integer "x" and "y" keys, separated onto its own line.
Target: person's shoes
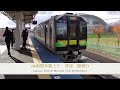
{"x": 9, "y": 54}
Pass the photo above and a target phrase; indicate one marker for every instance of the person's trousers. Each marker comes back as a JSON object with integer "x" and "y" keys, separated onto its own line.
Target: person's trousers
{"x": 12, "y": 42}
{"x": 24, "y": 43}
{"x": 8, "y": 46}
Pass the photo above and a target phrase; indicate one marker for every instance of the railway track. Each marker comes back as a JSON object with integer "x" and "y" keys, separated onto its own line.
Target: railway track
{"x": 98, "y": 77}
{"x": 88, "y": 60}
{"x": 91, "y": 77}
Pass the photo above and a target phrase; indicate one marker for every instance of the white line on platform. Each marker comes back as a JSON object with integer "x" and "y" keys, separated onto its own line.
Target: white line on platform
{"x": 2, "y": 48}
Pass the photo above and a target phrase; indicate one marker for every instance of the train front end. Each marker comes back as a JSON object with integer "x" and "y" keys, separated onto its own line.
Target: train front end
{"x": 71, "y": 34}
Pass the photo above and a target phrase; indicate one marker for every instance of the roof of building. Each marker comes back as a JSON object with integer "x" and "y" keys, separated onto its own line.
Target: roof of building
{"x": 92, "y": 16}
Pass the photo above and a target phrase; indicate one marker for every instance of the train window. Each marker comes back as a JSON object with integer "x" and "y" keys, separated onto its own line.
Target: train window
{"x": 62, "y": 29}
{"x": 83, "y": 30}
{"x": 83, "y": 26}
{"x": 73, "y": 30}
{"x": 50, "y": 31}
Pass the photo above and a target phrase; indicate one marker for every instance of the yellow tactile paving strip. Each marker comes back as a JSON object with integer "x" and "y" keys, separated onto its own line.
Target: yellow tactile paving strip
{"x": 36, "y": 59}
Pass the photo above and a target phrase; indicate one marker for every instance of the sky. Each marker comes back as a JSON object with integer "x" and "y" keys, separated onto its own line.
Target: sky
{"x": 44, "y": 15}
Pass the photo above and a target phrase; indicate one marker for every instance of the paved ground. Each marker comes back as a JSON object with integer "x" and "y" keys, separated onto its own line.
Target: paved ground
{"x": 22, "y": 56}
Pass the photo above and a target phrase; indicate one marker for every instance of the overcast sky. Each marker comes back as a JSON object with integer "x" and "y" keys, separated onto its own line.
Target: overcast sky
{"x": 43, "y": 15}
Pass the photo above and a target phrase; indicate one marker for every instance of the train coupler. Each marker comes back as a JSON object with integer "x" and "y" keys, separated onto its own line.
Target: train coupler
{"x": 71, "y": 57}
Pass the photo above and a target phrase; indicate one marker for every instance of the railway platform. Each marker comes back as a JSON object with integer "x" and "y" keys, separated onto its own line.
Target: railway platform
{"x": 35, "y": 53}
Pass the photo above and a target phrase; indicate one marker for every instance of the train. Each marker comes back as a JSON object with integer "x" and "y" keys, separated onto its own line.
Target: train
{"x": 64, "y": 34}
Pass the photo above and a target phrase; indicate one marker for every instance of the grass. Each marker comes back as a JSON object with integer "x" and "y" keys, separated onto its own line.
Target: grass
{"x": 103, "y": 36}
{"x": 107, "y": 44}
{"x": 106, "y": 41}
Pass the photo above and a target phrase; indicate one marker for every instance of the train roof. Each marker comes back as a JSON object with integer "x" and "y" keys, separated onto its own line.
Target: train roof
{"x": 58, "y": 16}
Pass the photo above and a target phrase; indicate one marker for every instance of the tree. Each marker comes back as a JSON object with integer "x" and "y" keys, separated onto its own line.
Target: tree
{"x": 98, "y": 30}
{"x": 116, "y": 30}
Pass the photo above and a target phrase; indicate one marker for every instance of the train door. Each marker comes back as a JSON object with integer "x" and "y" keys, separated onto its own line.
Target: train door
{"x": 73, "y": 38}
{"x": 50, "y": 37}
{"x": 45, "y": 35}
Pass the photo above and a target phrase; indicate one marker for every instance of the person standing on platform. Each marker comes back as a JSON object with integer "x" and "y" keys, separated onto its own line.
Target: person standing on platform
{"x": 24, "y": 36}
{"x": 8, "y": 37}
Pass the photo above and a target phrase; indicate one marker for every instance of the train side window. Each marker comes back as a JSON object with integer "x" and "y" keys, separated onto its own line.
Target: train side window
{"x": 50, "y": 31}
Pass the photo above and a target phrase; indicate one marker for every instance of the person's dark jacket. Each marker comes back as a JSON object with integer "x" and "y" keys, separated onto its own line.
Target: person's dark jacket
{"x": 8, "y": 35}
{"x": 24, "y": 35}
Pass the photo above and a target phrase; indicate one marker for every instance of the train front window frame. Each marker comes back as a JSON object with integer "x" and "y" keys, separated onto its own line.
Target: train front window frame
{"x": 83, "y": 29}
{"x": 73, "y": 29}
{"x": 62, "y": 28}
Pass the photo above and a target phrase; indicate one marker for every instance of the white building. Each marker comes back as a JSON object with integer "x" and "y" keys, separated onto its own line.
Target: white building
{"x": 92, "y": 21}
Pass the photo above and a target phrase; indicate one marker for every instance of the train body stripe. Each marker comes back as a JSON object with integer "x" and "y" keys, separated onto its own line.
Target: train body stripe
{"x": 82, "y": 42}
{"x": 64, "y": 43}
{"x": 73, "y": 42}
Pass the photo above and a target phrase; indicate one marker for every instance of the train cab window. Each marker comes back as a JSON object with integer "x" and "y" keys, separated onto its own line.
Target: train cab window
{"x": 83, "y": 30}
{"x": 62, "y": 29}
{"x": 82, "y": 26}
{"x": 73, "y": 30}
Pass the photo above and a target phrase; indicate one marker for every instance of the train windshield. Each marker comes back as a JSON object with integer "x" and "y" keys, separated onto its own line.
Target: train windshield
{"x": 83, "y": 29}
{"x": 62, "y": 29}
{"x": 73, "y": 28}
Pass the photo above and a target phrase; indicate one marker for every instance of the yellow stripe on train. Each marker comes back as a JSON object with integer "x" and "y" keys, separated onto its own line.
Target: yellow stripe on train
{"x": 65, "y": 42}
{"x": 72, "y": 42}
{"x": 82, "y": 42}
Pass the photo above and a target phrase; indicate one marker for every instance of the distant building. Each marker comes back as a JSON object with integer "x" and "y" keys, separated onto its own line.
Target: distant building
{"x": 92, "y": 21}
